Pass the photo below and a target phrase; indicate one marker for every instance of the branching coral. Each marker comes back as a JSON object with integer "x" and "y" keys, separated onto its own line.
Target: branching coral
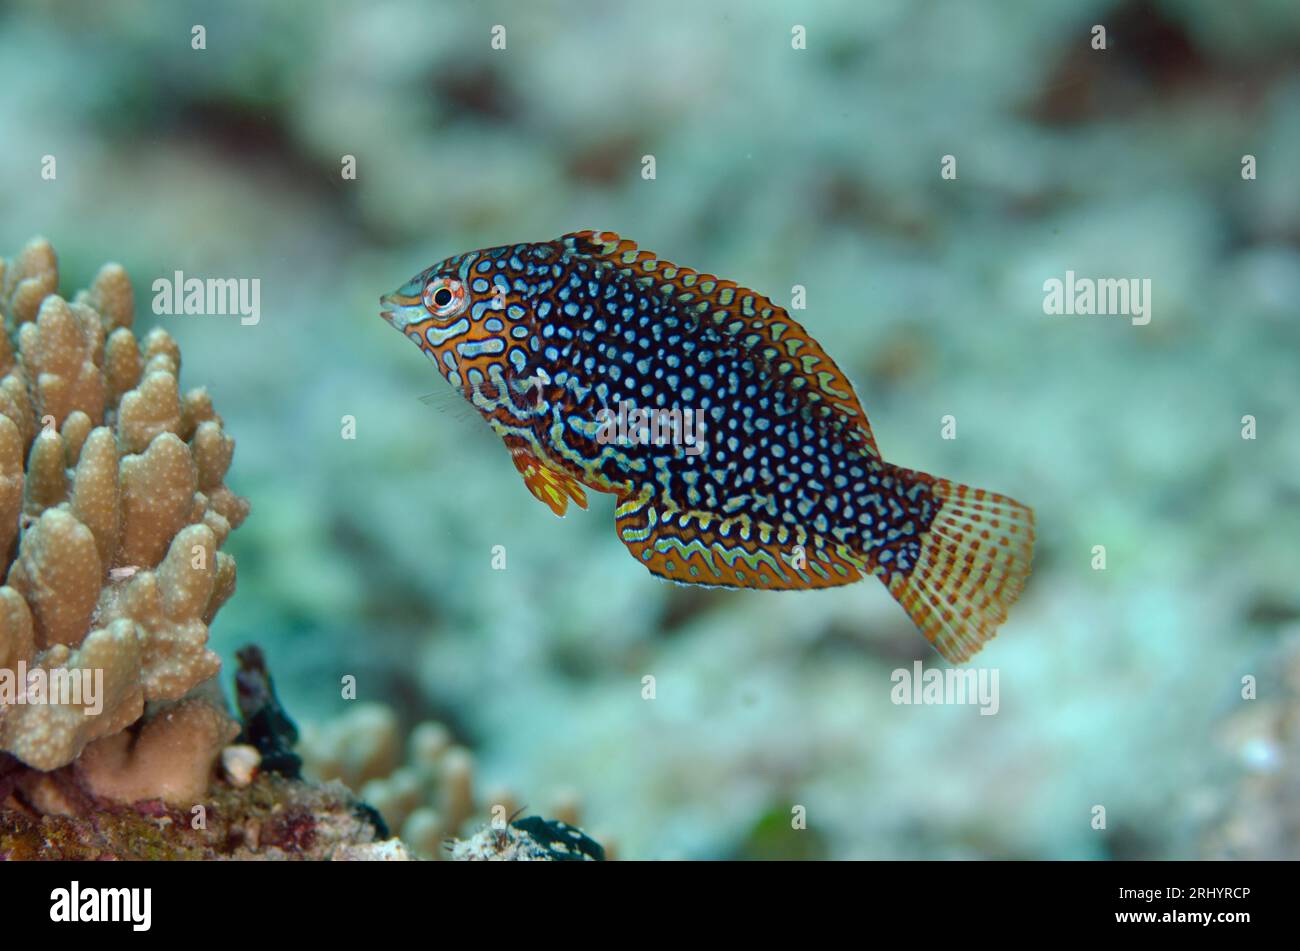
{"x": 428, "y": 794}
{"x": 112, "y": 510}
{"x": 171, "y": 758}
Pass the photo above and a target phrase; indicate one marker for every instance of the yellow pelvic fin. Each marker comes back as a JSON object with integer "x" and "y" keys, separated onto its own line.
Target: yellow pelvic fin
{"x": 553, "y": 488}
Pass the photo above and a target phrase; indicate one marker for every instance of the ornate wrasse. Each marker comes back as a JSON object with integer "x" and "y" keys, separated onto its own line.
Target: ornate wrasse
{"x": 553, "y": 342}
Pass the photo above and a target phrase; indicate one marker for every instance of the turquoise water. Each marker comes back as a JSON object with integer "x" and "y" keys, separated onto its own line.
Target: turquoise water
{"x": 821, "y": 167}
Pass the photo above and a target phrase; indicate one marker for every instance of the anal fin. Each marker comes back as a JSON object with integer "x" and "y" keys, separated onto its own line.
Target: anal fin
{"x": 703, "y": 548}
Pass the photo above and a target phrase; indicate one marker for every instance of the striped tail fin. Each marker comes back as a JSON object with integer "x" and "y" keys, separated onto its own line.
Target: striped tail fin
{"x": 974, "y": 560}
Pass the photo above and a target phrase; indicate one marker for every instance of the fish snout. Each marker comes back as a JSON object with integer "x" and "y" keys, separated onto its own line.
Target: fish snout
{"x": 396, "y": 309}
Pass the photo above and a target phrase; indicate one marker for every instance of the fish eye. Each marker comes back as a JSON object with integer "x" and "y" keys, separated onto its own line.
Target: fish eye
{"x": 445, "y": 297}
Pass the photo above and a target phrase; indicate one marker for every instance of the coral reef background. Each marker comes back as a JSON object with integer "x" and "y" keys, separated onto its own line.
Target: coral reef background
{"x": 372, "y": 557}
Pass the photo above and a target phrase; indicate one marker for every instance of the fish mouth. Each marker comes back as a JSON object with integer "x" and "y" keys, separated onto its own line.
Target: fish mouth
{"x": 392, "y": 304}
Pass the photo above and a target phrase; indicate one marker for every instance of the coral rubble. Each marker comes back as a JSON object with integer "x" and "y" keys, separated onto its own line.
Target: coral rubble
{"x": 272, "y": 818}
{"x": 528, "y": 840}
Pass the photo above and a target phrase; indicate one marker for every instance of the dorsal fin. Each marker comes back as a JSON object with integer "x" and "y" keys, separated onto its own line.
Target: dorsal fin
{"x": 762, "y": 325}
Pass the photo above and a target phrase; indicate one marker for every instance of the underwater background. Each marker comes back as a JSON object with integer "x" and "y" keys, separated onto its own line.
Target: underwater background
{"x": 372, "y": 557}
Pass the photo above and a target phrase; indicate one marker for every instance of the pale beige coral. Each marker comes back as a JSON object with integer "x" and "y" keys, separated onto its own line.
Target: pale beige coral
{"x": 110, "y": 295}
{"x": 112, "y": 506}
{"x": 58, "y": 353}
{"x": 59, "y": 573}
{"x": 171, "y": 759}
{"x": 76, "y": 429}
{"x": 161, "y": 352}
{"x": 212, "y": 450}
{"x": 122, "y": 365}
{"x": 11, "y": 484}
{"x": 47, "y": 735}
{"x": 363, "y": 744}
{"x": 223, "y": 586}
{"x": 17, "y": 639}
{"x": 157, "y": 499}
{"x": 46, "y": 480}
{"x": 428, "y": 795}
{"x": 169, "y": 606}
{"x": 152, "y": 408}
{"x": 95, "y": 491}
{"x": 15, "y": 403}
{"x": 47, "y": 795}
{"x": 28, "y": 280}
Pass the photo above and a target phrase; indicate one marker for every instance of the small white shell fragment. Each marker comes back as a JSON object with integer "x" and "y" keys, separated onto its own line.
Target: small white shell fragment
{"x": 239, "y": 762}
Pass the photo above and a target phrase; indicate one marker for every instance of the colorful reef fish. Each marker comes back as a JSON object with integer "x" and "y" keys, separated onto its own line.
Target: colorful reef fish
{"x": 587, "y": 356}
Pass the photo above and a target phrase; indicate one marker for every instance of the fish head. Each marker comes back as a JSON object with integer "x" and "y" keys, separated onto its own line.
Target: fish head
{"x": 466, "y": 312}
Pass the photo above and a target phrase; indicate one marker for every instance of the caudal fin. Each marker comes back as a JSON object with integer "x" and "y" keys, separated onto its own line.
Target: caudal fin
{"x": 974, "y": 560}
